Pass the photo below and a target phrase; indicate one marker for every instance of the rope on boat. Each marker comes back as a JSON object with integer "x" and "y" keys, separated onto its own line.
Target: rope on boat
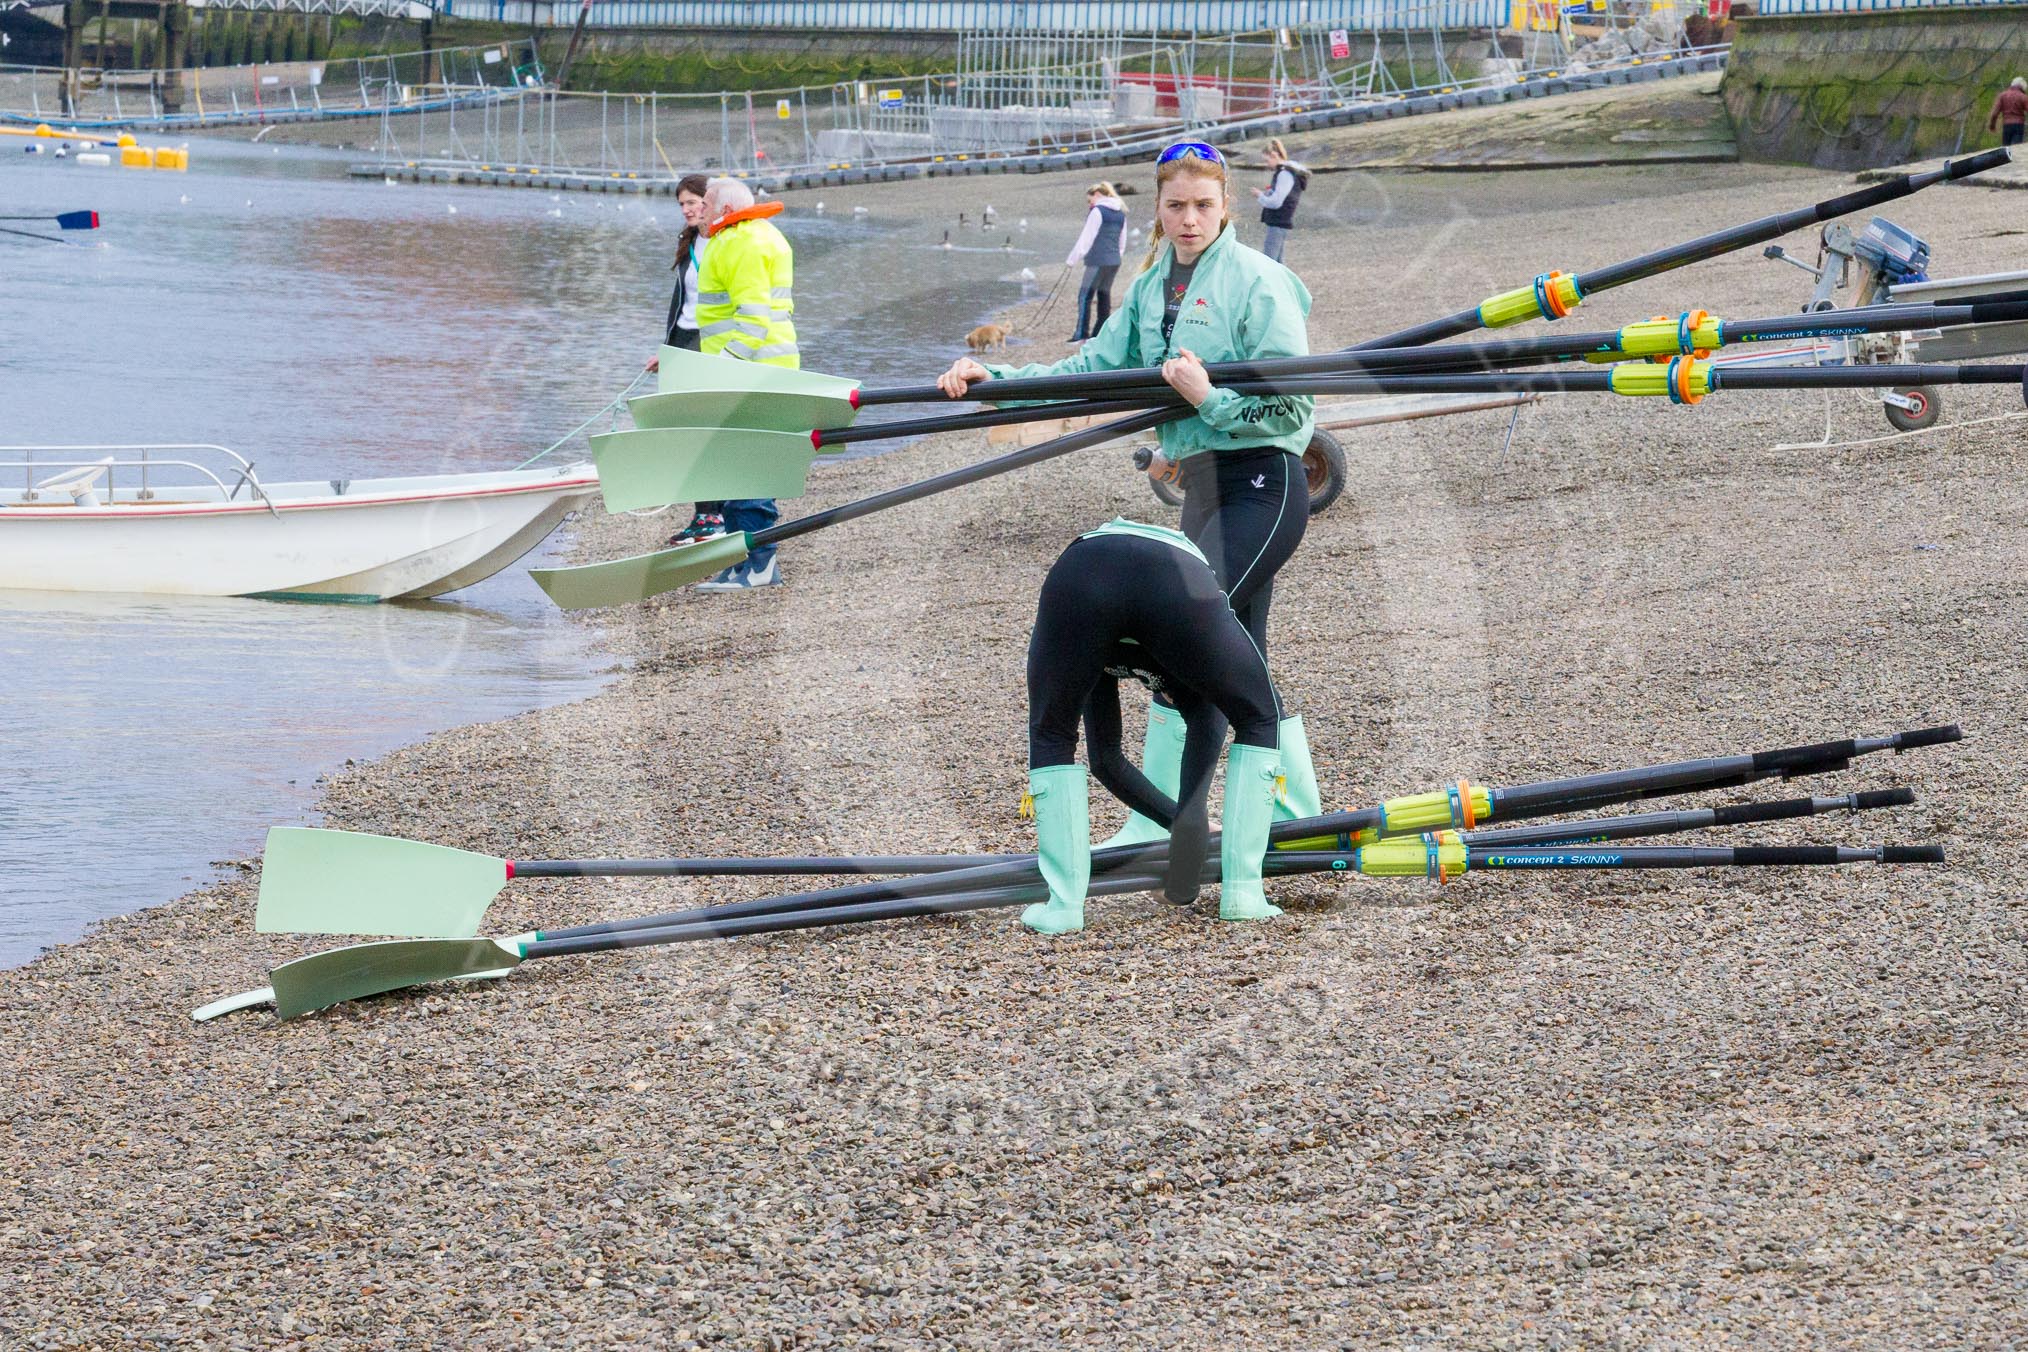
{"x": 611, "y": 406}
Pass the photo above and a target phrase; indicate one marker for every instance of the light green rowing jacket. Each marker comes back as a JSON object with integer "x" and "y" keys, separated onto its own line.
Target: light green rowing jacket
{"x": 1241, "y": 306}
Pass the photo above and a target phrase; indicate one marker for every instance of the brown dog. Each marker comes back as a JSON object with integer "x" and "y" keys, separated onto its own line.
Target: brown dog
{"x": 987, "y": 337}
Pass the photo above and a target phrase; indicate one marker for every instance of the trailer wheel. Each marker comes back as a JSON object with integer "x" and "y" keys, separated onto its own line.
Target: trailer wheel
{"x": 1324, "y": 467}
{"x": 1928, "y": 407}
{"x": 1323, "y": 471}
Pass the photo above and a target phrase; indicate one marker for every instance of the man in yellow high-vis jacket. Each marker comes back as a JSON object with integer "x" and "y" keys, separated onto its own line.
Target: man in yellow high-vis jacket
{"x": 744, "y": 311}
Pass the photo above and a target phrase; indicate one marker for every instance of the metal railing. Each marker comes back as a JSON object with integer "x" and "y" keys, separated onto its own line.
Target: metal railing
{"x": 1782, "y": 8}
{"x": 958, "y": 16}
{"x": 270, "y": 91}
{"x": 939, "y": 122}
{"x": 241, "y": 469}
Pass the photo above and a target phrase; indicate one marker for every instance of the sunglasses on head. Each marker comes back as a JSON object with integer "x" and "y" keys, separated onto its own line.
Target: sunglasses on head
{"x": 1196, "y": 150}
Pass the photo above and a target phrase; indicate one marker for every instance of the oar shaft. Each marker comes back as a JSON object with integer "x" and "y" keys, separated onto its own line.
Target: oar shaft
{"x": 825, "y": 438}
{"x": 1616, "y": 857}
{"x": 958, "y": 478}
{"x": 1774, "y": 227}
{"x": 600, "y": 940}
{"x": 820, "y": 865}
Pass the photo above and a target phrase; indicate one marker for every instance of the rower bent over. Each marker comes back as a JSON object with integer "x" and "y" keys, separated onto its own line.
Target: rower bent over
{"x": 1132, "y": 601}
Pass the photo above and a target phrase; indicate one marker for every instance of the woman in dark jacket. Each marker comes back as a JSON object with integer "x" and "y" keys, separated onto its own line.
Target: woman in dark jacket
{"x": 680, "y": 329}
{"x": 1286, "y": 181}
{"x": 1099, "y": 248}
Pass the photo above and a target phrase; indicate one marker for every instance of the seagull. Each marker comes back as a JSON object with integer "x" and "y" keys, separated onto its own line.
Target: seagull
{"x": 184, "y": 200}
{"x": 556, "y": 211}
{"x": 1027, "y": 274}
{"x": 986, "y": 216}
{"x": 452, "y": 210}
{"x": 820, "y": 206}
{"x": 859, "y": 211}
{"x": 1024, "y": 223}
{"x": 388, "y": 181}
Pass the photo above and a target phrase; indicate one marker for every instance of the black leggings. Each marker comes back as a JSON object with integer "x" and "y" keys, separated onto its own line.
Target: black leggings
{"x": 1247, "y": 510}
{"x": 1111, "y": 588}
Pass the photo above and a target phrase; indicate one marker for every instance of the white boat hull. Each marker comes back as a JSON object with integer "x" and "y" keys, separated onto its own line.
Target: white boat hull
{"x": 376, "y": 540}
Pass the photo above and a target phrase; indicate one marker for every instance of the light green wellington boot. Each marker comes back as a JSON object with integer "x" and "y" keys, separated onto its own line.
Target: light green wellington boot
{"x": 1162, "y": 763}
{"x": 1250, "y": 773}
{"x": 1062, "y": 807}
{"x": 1299, "y": 796}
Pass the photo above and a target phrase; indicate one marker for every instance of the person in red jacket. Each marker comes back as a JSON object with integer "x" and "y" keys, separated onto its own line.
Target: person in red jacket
{"x": 2010, "y": 112}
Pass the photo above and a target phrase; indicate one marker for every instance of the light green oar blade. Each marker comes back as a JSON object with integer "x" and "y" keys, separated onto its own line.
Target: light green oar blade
{"x": 325, "y": 979}
{"x": 771, "y": 410}
{"x": 622, "y": 582}
{"x": 347, "y": 882}
{"x": 681, "y": 369}
{"x": 655, "y": 466}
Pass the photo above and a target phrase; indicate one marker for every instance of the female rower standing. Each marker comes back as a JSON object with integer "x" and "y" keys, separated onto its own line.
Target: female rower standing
{"x": 1203, "y": 296}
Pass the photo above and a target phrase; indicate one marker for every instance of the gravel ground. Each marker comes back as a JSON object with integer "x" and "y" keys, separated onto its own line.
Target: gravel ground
{"x": 1754, "y": 1109}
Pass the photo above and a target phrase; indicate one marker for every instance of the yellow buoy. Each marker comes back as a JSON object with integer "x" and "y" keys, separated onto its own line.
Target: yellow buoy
{"x": 136, "y": 157}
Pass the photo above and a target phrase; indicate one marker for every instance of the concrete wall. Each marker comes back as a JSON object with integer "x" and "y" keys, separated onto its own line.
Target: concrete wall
{"x": 1856, "y": 90}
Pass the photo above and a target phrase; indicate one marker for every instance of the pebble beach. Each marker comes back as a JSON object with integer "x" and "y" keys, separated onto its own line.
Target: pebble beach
{"x": 1740, "y": 1108}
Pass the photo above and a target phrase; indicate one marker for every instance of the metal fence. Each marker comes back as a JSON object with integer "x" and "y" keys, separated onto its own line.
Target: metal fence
{"x": 1773, "y": 8}
{"x": 957, "y": 16}
{"x": 271, "y": 91}
{"x": 1082, "y": 112}
{"x": 1009, "y": 96}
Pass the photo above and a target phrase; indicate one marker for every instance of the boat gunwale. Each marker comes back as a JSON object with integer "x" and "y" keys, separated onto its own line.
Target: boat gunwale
{"x": 144, "y": 511}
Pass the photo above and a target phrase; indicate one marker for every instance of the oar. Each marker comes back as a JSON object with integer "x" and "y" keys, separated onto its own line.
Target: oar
{"x": 743, "y": 393}
{"x": 621, "y": 581}
{"x": 1554, "y": 294}
{"x": 317, "y": 881}
{"x": 66, "y": 220}
{"x": 325, "y": 979}
{"x": 1284, "y": 859}
{"x": 1458, "y": 808}
{"x": 741, "y": 462}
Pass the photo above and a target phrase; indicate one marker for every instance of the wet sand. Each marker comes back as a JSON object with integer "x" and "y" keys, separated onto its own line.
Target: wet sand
{"x": 1753, "y": 1108}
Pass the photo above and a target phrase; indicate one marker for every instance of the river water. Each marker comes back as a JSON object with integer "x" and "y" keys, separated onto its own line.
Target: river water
{"x": 327, "y": 327}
